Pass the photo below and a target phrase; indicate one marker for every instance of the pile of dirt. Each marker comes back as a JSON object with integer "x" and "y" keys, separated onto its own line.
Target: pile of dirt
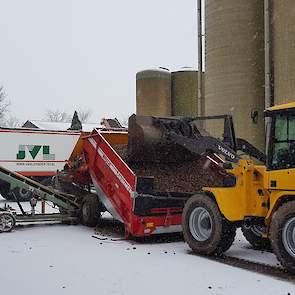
{"x": 122, "y": 150}
{"x": 184, "y": 176}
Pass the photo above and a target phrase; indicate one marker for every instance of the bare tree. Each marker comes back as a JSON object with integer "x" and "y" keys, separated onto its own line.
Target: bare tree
{"x": 84, "y": 115}
{"x": 11, "y": 122}
{"x": 4, "y": 104}
{"x": 57, "y": 116}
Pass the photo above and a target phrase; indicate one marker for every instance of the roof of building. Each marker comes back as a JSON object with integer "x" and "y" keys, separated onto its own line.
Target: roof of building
{"x": 58, "y": 126}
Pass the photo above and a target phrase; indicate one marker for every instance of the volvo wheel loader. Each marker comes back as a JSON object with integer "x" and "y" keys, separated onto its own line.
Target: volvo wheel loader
{"x": 260, "y": 199}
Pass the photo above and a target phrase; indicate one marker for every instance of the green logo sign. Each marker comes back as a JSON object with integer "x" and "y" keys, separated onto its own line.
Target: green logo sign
{"x": 34, "y": 150}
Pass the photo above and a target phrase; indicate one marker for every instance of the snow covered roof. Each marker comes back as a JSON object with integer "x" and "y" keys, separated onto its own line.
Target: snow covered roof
{"x": 58, "y": 126}
{"x": 186, "y": 69}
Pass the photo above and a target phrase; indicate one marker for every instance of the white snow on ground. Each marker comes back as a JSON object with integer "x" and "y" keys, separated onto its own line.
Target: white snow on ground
{"x": 242, "y": 249}
{"x": 61, "y": 259}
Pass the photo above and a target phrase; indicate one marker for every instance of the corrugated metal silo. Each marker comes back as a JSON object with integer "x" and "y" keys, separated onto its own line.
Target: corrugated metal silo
{"x": 234, "y": 80}
{"x": 184, "y": 93}
{"x": 283, "y": 40}
{"x": 153, "y": 93}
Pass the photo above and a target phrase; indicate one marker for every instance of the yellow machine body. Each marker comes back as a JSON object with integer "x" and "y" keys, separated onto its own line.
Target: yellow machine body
{"x": 253, "y": 194}
{"x": 259, "y": 189}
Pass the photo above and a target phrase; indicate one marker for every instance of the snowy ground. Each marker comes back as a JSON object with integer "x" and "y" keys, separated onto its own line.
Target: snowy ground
{"x": 60, "y": 259}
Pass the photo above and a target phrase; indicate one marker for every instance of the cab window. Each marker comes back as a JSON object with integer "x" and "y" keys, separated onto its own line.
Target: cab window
{"x": 284, "y": 142}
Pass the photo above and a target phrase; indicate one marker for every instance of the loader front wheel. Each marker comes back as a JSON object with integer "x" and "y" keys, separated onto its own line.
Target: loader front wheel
{"x": 90, "y": 210}
{"x": 253, "y": 235}
{"x": 205, "y": 230}
{"x": 282, "y": 235}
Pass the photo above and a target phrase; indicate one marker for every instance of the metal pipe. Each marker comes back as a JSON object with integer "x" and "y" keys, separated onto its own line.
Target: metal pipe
{"x": 269, "y": 101}
{"x": 201, "y": 102}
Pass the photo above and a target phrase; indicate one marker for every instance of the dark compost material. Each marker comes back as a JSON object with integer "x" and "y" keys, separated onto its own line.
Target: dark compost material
{"x": 182, "y": 176}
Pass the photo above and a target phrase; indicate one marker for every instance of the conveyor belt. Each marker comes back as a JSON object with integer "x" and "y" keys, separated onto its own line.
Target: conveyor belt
{"x": 62, "y": 200}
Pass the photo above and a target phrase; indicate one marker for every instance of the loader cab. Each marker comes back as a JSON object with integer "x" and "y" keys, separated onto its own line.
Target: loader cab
{"x": 280, "y": 137}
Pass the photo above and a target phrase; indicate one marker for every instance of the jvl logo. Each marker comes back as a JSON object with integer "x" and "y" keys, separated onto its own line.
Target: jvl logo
{"x": 33, "y": 151}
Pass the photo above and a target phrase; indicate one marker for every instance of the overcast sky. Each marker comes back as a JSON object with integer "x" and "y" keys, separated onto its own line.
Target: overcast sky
{"x": 62, "y": 54}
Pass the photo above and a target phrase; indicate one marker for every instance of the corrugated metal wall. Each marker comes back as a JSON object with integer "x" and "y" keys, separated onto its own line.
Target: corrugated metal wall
{"x": 283, "y": 28}
{"x": 234, "y": 79}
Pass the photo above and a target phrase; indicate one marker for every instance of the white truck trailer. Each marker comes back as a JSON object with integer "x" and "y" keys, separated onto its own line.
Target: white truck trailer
{"x": 37, "y": 154}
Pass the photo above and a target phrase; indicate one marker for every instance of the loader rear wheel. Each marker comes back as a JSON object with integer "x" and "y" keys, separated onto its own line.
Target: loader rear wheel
{"x": 282, "y": 235}
{"x": 253, "y": 235}
{"x": 90, "y": 210}
{"x": 205, "y": 230}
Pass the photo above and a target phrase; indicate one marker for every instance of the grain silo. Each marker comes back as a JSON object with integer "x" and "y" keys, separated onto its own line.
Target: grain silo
{"x": 184, "y": 93}
{"x": 234, "y": 80}
{"x": 153, "y": 93}
{"x": 283, "y": 49}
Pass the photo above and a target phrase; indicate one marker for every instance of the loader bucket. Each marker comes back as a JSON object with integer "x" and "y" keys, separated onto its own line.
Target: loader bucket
{"x": 149, "y": 142}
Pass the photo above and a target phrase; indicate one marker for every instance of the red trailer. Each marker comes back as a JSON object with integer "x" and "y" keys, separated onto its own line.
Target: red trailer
{"x": 143, "y": 177}
{"x": 128, "y": 197}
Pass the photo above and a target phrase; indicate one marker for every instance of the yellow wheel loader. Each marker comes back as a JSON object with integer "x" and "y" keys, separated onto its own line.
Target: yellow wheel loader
{"x": 260, "y": 199}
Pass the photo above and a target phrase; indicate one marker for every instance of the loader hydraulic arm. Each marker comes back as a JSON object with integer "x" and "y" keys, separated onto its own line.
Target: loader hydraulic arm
{"x": 186, "y": 133}
{"x": 180, "y": 138}
{"x": 201, "y": 145}
{"x": 246, "y": 147}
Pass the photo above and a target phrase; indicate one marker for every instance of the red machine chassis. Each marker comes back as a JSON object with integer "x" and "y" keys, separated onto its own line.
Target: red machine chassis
{"x": 118, "y": 189}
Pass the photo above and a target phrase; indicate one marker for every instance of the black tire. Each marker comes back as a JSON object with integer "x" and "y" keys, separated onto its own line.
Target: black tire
{"x": 281, "y": 229}
{"x": 254, "y": 236}
{"x": 90, "y": 210}
{"x": 221, "y": 233}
